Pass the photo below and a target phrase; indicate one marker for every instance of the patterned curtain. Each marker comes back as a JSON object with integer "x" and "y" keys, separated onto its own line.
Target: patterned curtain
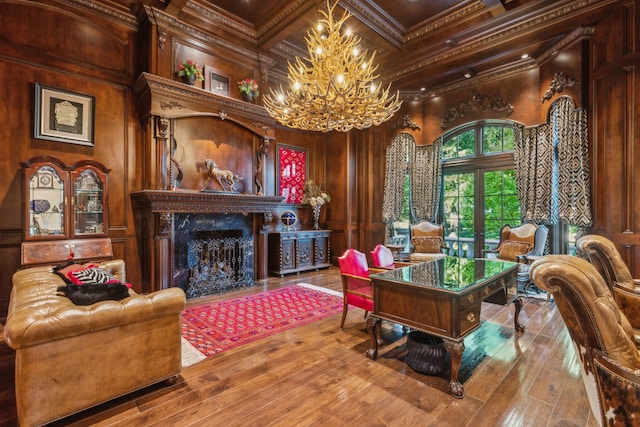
{"x": 426, "y": 173}
{"x": 397, "y": 155}
{"x": 533, "y": 157}
{"x": 535, "y": 162}
{"x": 574, "y": 194}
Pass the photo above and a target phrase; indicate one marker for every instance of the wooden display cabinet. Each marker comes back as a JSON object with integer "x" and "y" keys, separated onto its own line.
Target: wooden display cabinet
{"x": 65, "y": 202}
{"x": 297, "y": 251}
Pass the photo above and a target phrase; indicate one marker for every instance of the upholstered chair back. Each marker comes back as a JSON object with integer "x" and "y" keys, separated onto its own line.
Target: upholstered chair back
{"x": 382, "y": 257}
{"x": 605, "y": 257}
{"x": 427, "y": 237}
{"x": 596, "y": 326}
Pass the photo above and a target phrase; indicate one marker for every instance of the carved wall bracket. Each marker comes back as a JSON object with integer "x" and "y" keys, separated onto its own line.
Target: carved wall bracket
{"x": 404, "y": 122}
{"x": 560, "y": 81}
{"x": 476, "y": 104}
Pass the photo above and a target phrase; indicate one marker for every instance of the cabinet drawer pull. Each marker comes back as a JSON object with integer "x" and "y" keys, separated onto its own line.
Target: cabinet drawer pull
{"x": 471, "y": 317}
{"x": 470, "y": 298}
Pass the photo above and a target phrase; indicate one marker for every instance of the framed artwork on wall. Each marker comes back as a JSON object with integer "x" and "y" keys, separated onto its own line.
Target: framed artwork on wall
{"x": 63, "y": 116}
{"x": 292, "y": 172}
{"x": 214, "y": 82}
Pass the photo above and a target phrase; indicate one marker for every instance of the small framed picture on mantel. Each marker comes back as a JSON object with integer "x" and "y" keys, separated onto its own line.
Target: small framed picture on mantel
{"x": 63, "y": 116}
{"x": 214, "y": 82}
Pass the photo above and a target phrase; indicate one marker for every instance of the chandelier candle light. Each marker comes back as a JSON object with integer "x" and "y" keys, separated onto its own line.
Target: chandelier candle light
{"x": 334, "y": 88}
{"x": 314, "y": 196}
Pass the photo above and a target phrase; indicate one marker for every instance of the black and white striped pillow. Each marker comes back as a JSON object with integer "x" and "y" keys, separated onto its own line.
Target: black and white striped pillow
{"x": 92, "y": 276}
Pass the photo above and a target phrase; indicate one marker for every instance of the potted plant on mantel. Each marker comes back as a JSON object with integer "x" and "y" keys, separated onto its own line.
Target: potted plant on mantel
{"x": 248, "y": 89}
{"x": 190, "y": 71}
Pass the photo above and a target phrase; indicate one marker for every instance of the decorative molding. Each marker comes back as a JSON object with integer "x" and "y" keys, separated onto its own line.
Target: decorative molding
{"x": 476, "y": 104}
{"x": 560, "y": 81}
{"x": 159, "y": 96}
{"x": 165, "y": 224}
{"x": 494, "y": 38}
{"x": 167, "y": 202}
{"x": 404, "y": 122}
{"x": 577, "y": 34}
{"x": 107, "y": 12}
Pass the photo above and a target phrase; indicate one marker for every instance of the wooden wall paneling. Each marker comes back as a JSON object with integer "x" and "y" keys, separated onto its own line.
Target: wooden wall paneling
{"x": 628, "y": 150}
{"x": 599, "y": 157}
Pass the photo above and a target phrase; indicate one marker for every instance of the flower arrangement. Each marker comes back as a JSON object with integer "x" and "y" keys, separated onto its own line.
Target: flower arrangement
{"x": 313, "y": 195}
{"x": 249, "y": 87}
{"x": 190, "y": 68}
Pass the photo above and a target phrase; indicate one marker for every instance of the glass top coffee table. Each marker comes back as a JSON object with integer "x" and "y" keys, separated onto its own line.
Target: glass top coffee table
{"x": 443, "y": 297}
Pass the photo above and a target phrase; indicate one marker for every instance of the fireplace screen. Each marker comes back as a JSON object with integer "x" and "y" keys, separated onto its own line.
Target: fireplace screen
{"x": 218, "y": 264}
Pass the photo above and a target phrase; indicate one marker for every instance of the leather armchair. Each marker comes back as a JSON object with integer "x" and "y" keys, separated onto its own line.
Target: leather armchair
{"x": 601, "y": 334}
{"x": 604, "y": 256}
{"x": 382, "y": 257}
{"x": 427, "y": 241}
{"x": 523, "y": 244}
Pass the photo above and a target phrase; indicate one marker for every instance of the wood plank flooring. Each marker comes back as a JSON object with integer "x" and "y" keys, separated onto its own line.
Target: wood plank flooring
{"x": 318, "y": 375}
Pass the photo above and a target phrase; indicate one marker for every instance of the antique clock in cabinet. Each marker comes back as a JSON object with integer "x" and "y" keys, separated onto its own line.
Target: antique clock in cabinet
{"x": 65, "y": 202}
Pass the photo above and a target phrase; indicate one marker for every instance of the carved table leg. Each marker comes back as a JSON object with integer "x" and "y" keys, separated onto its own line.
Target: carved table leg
{"x": 518, "y": 303}
{"x": 455, "y": 349}
{"x": 373, "y": 327}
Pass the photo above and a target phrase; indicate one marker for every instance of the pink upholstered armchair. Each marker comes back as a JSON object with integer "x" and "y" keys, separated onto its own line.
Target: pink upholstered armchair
{"x": 356, "y": 285}
{"x": 382, "y": 257}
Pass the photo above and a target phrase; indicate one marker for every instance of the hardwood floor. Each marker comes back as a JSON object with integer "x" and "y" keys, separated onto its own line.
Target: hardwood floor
{"x": 318, "y": 375}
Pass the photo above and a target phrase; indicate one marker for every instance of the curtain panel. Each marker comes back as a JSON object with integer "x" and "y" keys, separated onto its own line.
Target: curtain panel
{"x": 535, "y": 162}
{"x": 426, "y": 181}
{"x": 533, "y": 157}
{"x": 397, "y": 156}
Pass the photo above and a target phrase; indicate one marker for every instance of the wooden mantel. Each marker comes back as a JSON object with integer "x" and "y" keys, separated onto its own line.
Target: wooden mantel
{"x": 192, "y": 201}
{"x": 166, "y": 98}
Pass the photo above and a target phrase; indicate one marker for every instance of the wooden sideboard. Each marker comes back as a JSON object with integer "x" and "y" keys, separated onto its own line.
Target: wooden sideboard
{"x": 296, "y": 251}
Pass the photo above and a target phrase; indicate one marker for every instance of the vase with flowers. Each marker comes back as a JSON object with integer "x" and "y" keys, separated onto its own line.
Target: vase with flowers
{"x": 248, "y": 89}
{"x": 316, "y": 198}
{"x": 190, "y": 71}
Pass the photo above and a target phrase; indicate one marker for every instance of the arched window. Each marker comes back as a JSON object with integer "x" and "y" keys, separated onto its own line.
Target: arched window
{"x": 479, "y": 191}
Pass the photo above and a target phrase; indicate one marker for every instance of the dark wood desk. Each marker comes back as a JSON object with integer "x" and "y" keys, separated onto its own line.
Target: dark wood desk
{"x": 443, "y": 297}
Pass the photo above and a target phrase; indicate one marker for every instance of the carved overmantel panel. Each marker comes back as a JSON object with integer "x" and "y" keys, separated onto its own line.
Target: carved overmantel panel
{"x": 161, "y": 97}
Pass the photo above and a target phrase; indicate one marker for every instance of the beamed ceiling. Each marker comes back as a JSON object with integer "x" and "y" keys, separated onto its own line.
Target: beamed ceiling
{"x": 418, "y": 43}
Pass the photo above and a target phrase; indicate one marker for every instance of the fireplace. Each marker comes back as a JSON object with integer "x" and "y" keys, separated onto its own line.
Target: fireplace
{"x": 204, "y": 243}
{"x": 214, "y": 253}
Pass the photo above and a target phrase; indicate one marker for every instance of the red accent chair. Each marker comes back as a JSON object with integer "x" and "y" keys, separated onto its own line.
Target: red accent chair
{"x": 356, "y": 285}
{"x": 382, "y": 257}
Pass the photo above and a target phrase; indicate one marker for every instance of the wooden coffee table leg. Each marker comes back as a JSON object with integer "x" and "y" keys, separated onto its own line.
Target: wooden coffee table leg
{"x": 518, "y": 303}
{"x": 373, "y": 327}
{"x": 455, "y": 349}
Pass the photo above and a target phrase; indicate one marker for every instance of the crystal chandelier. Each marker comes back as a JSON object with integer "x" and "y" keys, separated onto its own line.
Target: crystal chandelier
{"x": 334, "y": 88}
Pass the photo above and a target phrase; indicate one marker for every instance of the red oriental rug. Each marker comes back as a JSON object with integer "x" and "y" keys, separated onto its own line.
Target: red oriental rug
{"x": 216, "y": 327}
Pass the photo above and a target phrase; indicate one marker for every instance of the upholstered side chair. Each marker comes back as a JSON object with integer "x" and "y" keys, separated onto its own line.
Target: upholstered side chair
{"x": 601, "y": 334}
{"x": 382, "y": 257}
{"x": 427, "y": 241}
{"x": 605, "y": 257}
{"x": 356, "y": 284}
{"x": 523, "y": 244}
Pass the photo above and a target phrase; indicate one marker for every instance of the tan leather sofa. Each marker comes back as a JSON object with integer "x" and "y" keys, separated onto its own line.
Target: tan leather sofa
{"x": 69, "y": 357}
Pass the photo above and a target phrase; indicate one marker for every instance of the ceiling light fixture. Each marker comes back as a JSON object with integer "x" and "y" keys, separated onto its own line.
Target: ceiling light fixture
{"x": 334, "y": 88}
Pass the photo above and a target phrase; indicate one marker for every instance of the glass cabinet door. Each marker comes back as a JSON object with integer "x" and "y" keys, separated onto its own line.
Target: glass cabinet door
{"x": 46, "y": 202}
{"x": 89, "y": 202}
{"x": 65, "y": 202}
